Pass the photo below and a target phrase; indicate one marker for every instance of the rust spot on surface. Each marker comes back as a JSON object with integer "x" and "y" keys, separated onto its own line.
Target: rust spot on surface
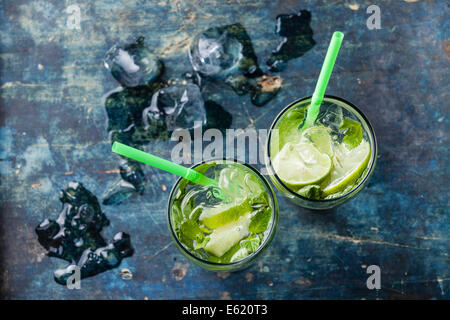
{"x": 249, "y": 277}
{"x": 68, "y": 173}
{"x": 180, "y": 270}
{"x": 304, "y": 282}
{"x": 270, "y": 84}
{"x": 191, "y": 15}
{"x": 447, "y": 48}
{"x": 223, "y": 275}
{"x": 36, "y": 184}
{"x": 111, "y": 171}
{"x": 178, "y": 45}
{"x": 225, "y": 296}
{"x": 126, "y": 274}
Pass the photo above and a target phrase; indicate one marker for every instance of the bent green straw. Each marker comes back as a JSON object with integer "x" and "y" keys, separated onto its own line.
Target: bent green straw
{"x": 322, "y": 82}
{"x": 162, "y": 164}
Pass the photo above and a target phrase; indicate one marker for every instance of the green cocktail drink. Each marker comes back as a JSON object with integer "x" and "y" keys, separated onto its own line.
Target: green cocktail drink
{"x": 323, "y": 165}
{"x": 223, "y": 229}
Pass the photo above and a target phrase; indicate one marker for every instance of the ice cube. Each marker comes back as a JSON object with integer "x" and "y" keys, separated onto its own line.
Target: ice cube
{"x": 181, "y": 107}
{"x": 97, "y": 260}
{"x": 133, "y": 64}
{"x": 193, "y": 77}
{"x": 214, "y": 52}
{"x": 226, "y": 53}
{"x": 221, "y": 51}
{"x": 118, "y": 193}
{"x": 77, "y": 227}
{"x": 332, "y": 117}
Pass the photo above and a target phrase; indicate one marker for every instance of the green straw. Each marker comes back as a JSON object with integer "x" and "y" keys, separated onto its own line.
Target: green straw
{"x": 162, "y": 164}
{"x": 322, "y": 82}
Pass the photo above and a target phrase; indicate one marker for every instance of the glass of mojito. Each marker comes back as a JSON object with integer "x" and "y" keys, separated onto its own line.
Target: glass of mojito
{"x": 321, "y": 166}
{"x": 225, "y": 227}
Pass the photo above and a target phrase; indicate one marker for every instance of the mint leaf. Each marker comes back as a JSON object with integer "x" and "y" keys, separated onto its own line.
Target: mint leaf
{"x": 205, "y": 229}
{"x": 260, "y": 201}
{"x": 353, "y": 133}
{"x": 205, "y": 166}
{"x": 293, "y": 119}
{"x": 191, "y": 230}
{"x": 312, "y": 191}
{"x": 251, "y": 243}
{"x": 184, "y": 215}
{"x": 260, "y": 220}
{"x": 239, "y": 255}
{"x": 287, "y": 129}
{"x": 195, "y": 214}
{"x": 177, "y": 217}
{"x": 187, "y": 206}
{"x": 201, "y": 244}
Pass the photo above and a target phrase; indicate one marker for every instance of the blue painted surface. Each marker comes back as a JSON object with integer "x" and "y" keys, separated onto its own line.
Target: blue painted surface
{"x": 53, "y": 130}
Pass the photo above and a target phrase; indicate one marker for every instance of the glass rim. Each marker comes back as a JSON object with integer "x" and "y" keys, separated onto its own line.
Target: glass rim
{"x": 261, "y": 247}
{"x": 372, "y": 157}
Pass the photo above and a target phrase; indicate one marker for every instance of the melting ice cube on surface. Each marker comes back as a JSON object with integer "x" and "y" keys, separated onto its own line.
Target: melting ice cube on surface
{"x": 214, "y": 52}
{"x": 226, "y": 53}
{"x": 297, "y": 39}
{"x": 133, "y": 64}
{"x": 181, "y": 106}
{"x": 222, "y": 51}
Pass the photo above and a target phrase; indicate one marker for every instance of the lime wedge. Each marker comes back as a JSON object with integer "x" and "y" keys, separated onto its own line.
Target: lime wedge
{"x": 347, "y": 167}
{"x": 320, "y": 137}
{"x": 241, "y": 190}
{"x": 222, "y": 214}
{"x": 301, "y": 164}
{"x": 223, "y": 238}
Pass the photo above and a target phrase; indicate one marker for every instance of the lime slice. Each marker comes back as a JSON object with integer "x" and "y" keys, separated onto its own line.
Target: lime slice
{"x": 320, "y": 137}
{"x": 301, "y": 164}
{"x": 347, "y": 167}
{"x": 223, "y": 238}
{"x": 222, "y": 214}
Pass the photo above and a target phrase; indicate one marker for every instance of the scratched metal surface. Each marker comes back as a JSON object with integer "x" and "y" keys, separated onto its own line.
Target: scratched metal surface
{"x": 53, "y": 130}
